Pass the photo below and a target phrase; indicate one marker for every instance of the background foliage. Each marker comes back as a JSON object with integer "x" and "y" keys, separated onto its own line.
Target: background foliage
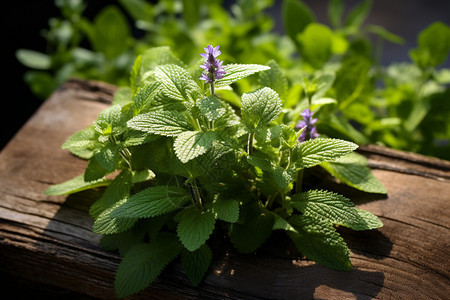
{"x": 400, "y": 105}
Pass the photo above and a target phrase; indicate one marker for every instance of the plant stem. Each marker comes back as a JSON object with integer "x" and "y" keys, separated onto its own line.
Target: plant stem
{"x": 212, "y": 88}
{"x": 250, "y": 143}
{"x": 196, "y": 192}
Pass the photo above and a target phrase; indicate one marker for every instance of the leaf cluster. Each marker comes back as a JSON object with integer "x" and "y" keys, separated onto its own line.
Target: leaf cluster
{"x": 178, "y": 164}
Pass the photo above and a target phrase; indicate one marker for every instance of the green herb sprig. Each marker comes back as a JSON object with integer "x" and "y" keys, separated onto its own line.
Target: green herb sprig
{"x": 179, "y": 159}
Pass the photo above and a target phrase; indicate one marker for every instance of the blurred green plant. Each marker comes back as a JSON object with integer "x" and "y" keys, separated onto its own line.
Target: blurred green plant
{"x": 401, "y": 105}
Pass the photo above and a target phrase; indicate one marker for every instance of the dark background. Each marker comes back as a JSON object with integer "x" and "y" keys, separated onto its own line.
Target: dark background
{"x": 23, "y": 21}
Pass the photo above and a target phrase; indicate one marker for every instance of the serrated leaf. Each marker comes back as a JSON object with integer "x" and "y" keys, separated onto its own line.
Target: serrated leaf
{"x": 196, "y": 263}
{"x": 190, "y": 144}
{"x": 143, "y": 95}
{"x": 107, "y": 120}
{"x": 318, "y": 241}
{"x": 105, "y": 223}
{"x": 143, "y": 263}
{"x": 316, "y": 151}
{"x": 367, "y": 221}
{"x": 211, "y": 107}
{"x": 335, "y": 209}
{"x": 194, "y": 227}
{"x": 83, "y": 143}
{"x": 177, "y": 83}
{"x": 226, "y": 209}
{"x": 74, "y": 185}
{"x": 329, "y": 206}
{"x": 235, "y": 72}
{"x": 94, "y": 170}
{"x": 160, "y": 122}
{"x": 152, "y": 202}
{"x": 260, "y": 107}
{"x": 353, "y": 170}
{"x": 274, "y": 79}
{"x": 107, "y": 156}
{"x": 254, "y": 231}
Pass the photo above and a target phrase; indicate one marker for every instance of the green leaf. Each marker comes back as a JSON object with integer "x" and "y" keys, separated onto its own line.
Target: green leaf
{"x": 110, "y": 32}
{"x": 94, "y": 170}
{"x": 34, "y": 59}
{"x": 334, "y": 208}
{"x": 353, "y": 170}
{"x": 176, "y": 83}
{"x": 358, "y": 14}
{"x": 152, "y": 202}
{"x": 105, "y": 223}
{"x": 211, "y": 107}
{"x": 316, "y": 151}
{"x": 235, "y": 72}
{"x": 190, "y": 144}
{"x": 296, "y": 16}
{"x": 108, "y": 120}
{"x": 226, "y": 209}
{"x": 75, "y": 185}
{"x": 335, "y": 10}
{"x": 318, "y": 241}
{"x": 260, "y": 107}
{"x": 107, "y": 157}
{"x": 143, "y": 96}
{"x": 367, "y": 221}
{"x": 255, "y": 229}
{"x": 143, "y": 263}
{"x": 83, "y": 143}
{"x": 383, "y": 33}
{"x": 160, "y": 122}
{"x": 194, "y": 227}
{"x": 158, "y": 56}
{"x": 196, "y": 263}
{"x": 316, "y": 44}
{"x": 433, "y": 46}
{"x": 329, "y": 206}
{"x": 274, "y": 79}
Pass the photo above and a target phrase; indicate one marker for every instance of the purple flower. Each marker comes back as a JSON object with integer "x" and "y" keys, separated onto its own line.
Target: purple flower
{"x": 310, "y": 131}
{"x": 212, "y": 66}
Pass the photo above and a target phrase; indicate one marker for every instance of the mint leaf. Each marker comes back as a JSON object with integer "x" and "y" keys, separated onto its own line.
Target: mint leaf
{"x": 329, "y": 206}
{"x": 152, "y": 202}
{"x": 226, "y": 209}
{"x": 74, "y": 185}
{"x": 160, "y": 122}
{"x": 83, "y": 143}
{"x": 196, "y": 263}
{"x": 143, "y": 263}
{"x": 352, "y": 169}
{"x": 334, "y": 208}
{"x": 296, "y": 16}
{"x": 318, "y": 241}
{"x": 274, "y": 79}
{"x": 255, "y": 229}
{"x": 190, "y": 144}
{"x": 105, "y": 223}
{"x": 316, "y": 151}
{"x": 235, "y": 72}
{"x": 194, "y": 227}
{"x": 260, "y": 107}
{"x": 177, "y": 83}
{"x": 211, "y": 107}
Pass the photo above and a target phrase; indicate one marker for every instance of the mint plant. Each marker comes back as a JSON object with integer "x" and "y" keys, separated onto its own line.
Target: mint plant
{"x": 177, "y": 162}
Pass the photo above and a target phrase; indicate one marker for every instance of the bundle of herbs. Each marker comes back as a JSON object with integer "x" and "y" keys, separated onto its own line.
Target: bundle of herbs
{"x": 179, "y": 156}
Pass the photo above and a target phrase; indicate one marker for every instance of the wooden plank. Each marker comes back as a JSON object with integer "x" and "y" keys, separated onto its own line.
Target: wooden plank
{"x": 47, "y": 247}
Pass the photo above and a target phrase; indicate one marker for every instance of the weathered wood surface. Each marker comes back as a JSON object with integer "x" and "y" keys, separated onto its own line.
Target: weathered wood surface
{"x": 47, "y": 247}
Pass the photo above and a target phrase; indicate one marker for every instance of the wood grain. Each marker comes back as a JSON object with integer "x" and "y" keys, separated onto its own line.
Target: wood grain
{"x": 47, "y": 247}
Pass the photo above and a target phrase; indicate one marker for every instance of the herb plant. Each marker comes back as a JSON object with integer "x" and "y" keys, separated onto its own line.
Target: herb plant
{"x": 179, "y": 160}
